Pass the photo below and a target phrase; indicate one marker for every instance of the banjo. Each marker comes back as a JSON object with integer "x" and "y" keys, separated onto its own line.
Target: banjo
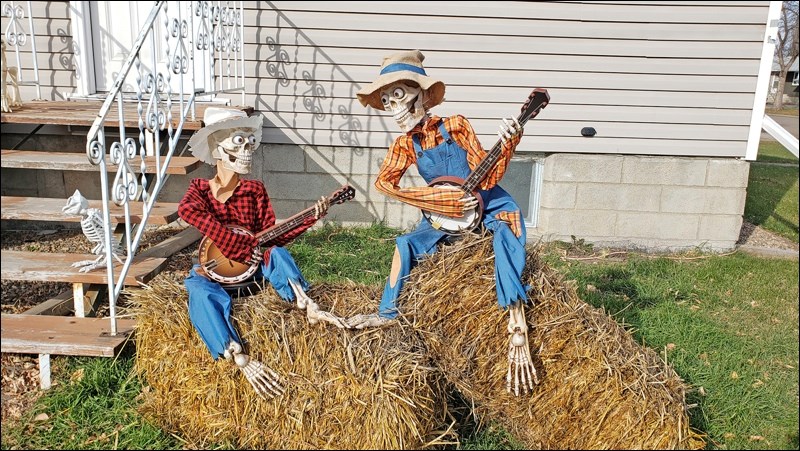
{"x": 226, "y": 271}
{"x": 537, "y": 100}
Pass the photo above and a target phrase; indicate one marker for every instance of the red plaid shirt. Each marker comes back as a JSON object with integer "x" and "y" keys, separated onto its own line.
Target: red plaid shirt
{"x": 402, "y": 155}
{"x": 248, "y": 207}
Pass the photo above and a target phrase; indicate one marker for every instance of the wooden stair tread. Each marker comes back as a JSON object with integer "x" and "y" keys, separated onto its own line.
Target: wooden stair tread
{"x": 78, "y": 161}
{"x": 49, "y": 209}
{"x": 56, "y": 267}
{"x": 83, "y": 113}
{"x": 63, "y": 335}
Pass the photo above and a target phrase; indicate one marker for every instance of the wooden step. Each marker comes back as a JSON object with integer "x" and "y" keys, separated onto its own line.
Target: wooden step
{"x": 83, "y": 113}
{"x": 78, "y": 161}
{"x": 56, "y": 267}
{"x": 63, "y": 335}
{"x": 49, "y": 209}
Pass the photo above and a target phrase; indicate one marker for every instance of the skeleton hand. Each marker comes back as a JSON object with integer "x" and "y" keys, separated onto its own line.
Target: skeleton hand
{"x": 256, "y": 256}
{"x": 321, "y": 207}
{"x": 519, "y": 356}
{"x": 265, "y": 382}
{"x": 510, "y": 128}
{"x": 468, "y": 202}
{"x": 362, "y": 321}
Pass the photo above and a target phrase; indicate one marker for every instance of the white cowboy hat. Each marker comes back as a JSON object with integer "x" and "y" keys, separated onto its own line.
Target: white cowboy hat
{"x": 402, "y": 66}
{"x": 216, "y": 118}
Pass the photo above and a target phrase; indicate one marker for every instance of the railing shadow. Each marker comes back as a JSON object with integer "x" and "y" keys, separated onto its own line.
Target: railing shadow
{"x": 298, "y": 78}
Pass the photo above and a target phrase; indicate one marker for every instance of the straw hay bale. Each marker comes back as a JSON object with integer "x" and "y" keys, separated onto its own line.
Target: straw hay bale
{"x": 598, "y": 388}
{"x": 369, "y": 390}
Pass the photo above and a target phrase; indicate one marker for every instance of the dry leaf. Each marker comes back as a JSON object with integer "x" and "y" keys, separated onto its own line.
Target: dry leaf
{"x": 670, "y": 346}
{"x": 758, "y": 383}
{"x": 756, "y": 438}
{"x": 734, "y": 375}
{"x": 729, "y": 435}
{"x": 702, "y": 391}
{"x": 41, "y": 417}
{"x": 591, "y": 288}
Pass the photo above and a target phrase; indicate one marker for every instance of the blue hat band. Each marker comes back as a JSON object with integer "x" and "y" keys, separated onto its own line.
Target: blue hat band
{"x": 397, "y": 67}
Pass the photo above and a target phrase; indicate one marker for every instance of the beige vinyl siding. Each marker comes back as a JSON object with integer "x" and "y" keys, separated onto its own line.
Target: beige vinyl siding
{"x": 54, "y": 48}
{"x": 655, "y": 78}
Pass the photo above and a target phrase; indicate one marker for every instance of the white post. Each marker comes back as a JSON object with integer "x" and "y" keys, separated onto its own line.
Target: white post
{"x": 44, "y": 371}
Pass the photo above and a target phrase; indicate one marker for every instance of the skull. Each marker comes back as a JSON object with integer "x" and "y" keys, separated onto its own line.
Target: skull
{"x": 405, "y": 101}
{"x": 234, "y": 147}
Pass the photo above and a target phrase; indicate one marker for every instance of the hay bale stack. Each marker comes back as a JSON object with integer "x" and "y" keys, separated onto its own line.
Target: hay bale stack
{"x": 345, "y": 390}
{"x": 598, "y": 388}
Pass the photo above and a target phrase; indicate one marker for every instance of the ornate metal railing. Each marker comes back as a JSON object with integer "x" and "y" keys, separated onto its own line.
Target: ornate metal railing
{"x": 201, "y": 43}
{"x": 17, "y": 34}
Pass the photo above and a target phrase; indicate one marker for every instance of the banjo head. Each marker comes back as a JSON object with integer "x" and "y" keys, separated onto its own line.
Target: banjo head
{"x": 468, "y": 222}
{"x": 224, "y": 271}
{"x": 454, "y": 226}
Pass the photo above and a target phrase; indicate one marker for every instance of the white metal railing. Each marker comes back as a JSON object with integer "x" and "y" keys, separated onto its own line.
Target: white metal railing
{"x": 202, "y": 42}
{"x": 17, "y": 34}
{"x": 781, "y": 134}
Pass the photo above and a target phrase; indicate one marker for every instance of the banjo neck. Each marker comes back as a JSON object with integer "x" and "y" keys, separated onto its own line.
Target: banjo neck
{"x": 537, "y": 100}
{"x": 278, "y": 230}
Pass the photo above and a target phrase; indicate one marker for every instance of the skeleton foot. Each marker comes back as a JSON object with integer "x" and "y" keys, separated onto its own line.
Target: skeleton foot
{"x": 361, "y": 321}
{"x": 88, "y": 265}
{"x": 265, "y": 382}
{"x": 313, "y": 313}
{"x": 520, "y": 362}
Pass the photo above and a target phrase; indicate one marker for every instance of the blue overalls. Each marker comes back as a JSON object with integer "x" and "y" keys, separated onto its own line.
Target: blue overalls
{"x": 448, "y": 158}
{"x": 210, "y": 305}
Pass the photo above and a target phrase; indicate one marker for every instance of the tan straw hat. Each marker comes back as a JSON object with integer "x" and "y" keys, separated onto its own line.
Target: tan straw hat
{"x": 402, "y": 66}
{"x": 215, "y": 118}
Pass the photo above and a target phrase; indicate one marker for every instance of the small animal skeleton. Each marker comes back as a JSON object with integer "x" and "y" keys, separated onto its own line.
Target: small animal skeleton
{"x": 95, "y": 230}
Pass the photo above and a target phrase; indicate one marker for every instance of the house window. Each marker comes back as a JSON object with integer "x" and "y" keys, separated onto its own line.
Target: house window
{"x": 523, "y": 180}
{"x": 794, "y": 79}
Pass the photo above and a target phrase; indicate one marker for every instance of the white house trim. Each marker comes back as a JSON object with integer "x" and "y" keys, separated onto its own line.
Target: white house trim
{"x": 84, "y": 53}
{"x": 762, "y": 86}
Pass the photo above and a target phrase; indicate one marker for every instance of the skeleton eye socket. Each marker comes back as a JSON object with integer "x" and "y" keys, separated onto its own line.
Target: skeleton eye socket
{"x": 385, "y": 99}
{"x": 398, "y": 93}
{"x": 238, "y": 139}
{"x": 252, "y": 140}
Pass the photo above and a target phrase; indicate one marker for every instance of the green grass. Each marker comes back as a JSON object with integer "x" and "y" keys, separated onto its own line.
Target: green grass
{"x": 772, "y": 199}
{"x": 723, "y": 314}
{"x": 774, "y": 152}
{"x": 93, "y": 406}
{"x": 733, "y": 323}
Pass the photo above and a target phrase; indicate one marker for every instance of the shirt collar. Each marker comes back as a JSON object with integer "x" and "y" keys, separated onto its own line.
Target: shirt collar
{"x": 424, "y": 127}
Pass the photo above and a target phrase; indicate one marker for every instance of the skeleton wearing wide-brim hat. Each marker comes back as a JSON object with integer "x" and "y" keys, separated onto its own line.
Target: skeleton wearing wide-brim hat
{"x": 447, "y": 148}
{"x": 228, "y": 140}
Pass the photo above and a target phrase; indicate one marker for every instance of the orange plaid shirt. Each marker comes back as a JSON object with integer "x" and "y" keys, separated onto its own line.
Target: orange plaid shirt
{"x": 402, "y": 155}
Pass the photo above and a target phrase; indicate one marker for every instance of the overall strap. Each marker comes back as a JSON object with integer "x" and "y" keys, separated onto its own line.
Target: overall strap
{"x": 443, "y": 131}
{"x": 417, "y": 145}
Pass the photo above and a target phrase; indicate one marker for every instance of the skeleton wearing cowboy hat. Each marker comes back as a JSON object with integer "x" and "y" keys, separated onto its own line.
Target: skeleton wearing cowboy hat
{"x": 447, "y": 147}
{"x": 228, "y": 141}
